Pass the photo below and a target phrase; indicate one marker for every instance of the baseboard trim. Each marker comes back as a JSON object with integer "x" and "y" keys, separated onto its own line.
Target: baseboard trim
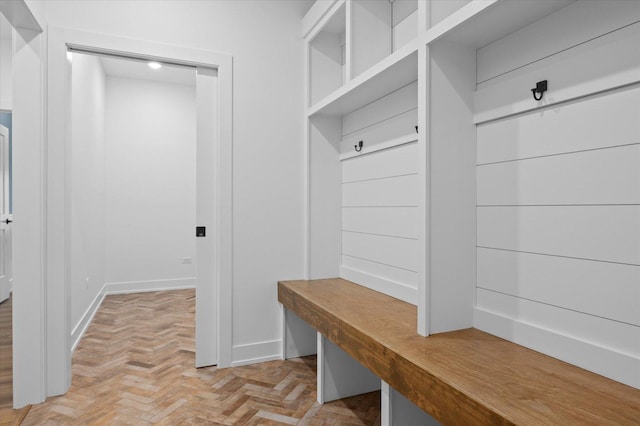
{"x": 622, "y": 367}
{"x": 392, "y": 288}
{"x": 254, "y": 353}
{"x": 87, "y": 317}
{"x": 149, "y": 285}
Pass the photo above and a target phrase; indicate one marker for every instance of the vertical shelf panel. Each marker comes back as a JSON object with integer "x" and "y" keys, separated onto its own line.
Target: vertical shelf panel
{"x": 327, "y": 57}
{"x": 325, "y": 179}
{"x": 379, "y": 28}
{"x": 404, "y": 22}
{"x": 452, "y": 180}
{"x": 371, "y": 33}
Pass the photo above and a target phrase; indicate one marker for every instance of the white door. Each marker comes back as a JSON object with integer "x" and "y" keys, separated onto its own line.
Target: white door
{"x": 5, "y": 218}
{"x": 207, "y": 271}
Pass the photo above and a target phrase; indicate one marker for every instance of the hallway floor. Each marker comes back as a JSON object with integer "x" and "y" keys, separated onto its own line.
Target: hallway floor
{"x": 135, "y": 366}
{"x": 8, "y": 416}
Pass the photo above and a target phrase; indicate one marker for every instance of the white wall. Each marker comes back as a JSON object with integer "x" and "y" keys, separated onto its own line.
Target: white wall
{"x": 150, "y": 183}
{"x": 559, "y": 189}
{"x": 88, "y": 188}
{"x": 6, "y": 68}
{"x": 268, "y": 176}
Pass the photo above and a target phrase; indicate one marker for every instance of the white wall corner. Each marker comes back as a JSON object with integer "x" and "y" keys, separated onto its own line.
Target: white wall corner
{"x": 81, "y": 327}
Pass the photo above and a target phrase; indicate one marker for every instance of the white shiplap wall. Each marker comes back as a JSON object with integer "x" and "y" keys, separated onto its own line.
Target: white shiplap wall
{"x": 558, "y": 201}
{"x": 380, "y": 196}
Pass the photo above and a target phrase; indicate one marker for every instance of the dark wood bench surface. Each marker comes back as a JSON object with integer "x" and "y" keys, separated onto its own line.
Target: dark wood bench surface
{"x": 462, "y": 377}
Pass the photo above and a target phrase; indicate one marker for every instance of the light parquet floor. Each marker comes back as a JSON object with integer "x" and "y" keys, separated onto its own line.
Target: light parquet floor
{"x": 134, "y": 366}
{"x": 8, "y": 416}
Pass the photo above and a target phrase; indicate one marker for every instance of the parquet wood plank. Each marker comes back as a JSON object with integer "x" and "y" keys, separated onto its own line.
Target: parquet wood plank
{"x": 8, "y": 416}
{"x": 461, "y": 377}
{"x": 135, "y": 365}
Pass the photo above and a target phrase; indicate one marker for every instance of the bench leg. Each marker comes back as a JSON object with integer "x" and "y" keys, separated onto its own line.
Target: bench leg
{"x": 299, "y": 338}
{"x": 339, "y": 375}
{"x": 396, "y": 410}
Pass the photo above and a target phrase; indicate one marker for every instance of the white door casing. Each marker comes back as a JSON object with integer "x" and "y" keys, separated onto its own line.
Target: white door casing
{"x": 206, "y": 200}
{"x": 60, "y": 41}
{"x": 5, "y": 218}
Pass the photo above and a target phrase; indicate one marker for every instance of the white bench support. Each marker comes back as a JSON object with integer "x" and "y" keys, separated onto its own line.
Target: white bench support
{"x": 396, "y": 410}
{"x": 339, "y": 375}
{"x": 299, "y": 337}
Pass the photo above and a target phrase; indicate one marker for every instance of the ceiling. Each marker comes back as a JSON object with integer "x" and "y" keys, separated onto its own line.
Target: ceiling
{"x": 138, "y": 69}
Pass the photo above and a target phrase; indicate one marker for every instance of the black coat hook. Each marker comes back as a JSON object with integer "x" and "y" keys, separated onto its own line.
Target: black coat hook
{"x": 540, "y": 88}
{"x": 358, "y": 147}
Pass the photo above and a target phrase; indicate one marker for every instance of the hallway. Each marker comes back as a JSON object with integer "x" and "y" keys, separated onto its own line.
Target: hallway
{"x": 135, "y": 366}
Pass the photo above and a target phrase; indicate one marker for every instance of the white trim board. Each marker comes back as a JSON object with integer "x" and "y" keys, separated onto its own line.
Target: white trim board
{"x": 395, "y": 289}
{"x": 615, "y": 365}
{"x": 600, "y": 65}
{"x": 149, "y": 285}
{"x": 402, "y": 140}
{"x": 87, "y": 317}
{"x": 252, "y": 353}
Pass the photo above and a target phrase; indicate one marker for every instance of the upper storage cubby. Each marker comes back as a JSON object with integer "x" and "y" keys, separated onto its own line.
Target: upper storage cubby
{"x": 478, "y": 23}
{"x": 327, "y": 57}
{"x": 380, "y": 28}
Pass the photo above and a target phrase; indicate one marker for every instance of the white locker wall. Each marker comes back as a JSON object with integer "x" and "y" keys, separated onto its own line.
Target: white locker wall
{"x": 380, "y": 195}
{"x": 558, "y": 194}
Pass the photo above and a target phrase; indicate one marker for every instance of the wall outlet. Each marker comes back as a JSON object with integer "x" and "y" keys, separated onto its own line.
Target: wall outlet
{"x": 187, "y": 260}
{"x": 86, "y": 283}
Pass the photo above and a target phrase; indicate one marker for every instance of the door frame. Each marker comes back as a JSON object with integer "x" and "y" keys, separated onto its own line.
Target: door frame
{"x": 58, "y": 158}
{"x": 5, "y": 261}
{"x": 28, "y": 50}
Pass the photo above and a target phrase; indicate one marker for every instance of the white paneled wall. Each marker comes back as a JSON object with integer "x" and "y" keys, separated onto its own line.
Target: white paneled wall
{"x": 389, "y": 117}
{"x": 558, "y": 194}
{"x": 380, "y": 196}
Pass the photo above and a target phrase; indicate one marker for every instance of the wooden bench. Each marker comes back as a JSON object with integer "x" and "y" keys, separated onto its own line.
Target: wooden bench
{"x": 461, "y": 377}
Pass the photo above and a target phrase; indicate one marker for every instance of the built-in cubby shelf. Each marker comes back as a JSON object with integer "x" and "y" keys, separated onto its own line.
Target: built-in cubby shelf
{"x": 481, "y": 22}
{"x": 327, "y": 57}
{"x": 396, "y": 211}
{"x": 393, "y": 72}
{"x": 380, "y": 28}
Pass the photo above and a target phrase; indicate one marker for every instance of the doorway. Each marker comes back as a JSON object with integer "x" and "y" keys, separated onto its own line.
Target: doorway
{"x": 133, "y": 180}
{"x": 137, "y": 129}
{"x": 46, "y": 371}
{"x": 5, "y": 216}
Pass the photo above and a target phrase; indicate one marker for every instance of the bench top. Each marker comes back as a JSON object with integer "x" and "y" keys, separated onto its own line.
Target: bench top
{"x": 460, "y": 377}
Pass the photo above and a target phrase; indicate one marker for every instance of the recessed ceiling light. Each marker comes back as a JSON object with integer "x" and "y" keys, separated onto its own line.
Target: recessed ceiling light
{"x": 155, "y": 65}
